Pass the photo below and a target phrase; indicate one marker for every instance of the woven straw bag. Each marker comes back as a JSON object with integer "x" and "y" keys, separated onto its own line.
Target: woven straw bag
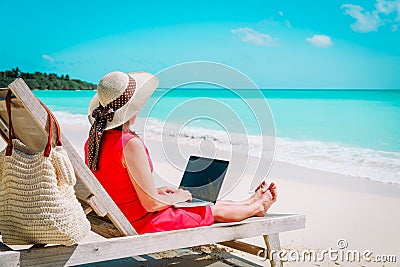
{"x": 37, "y": 199}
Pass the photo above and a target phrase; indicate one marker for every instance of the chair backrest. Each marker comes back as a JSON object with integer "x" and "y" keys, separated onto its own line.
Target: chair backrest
{"x": 30, "y": 121}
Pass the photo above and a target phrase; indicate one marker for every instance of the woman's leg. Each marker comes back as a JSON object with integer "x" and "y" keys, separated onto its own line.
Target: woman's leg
{"x": 224, "y": 211}
{"x": 233, "y": 212}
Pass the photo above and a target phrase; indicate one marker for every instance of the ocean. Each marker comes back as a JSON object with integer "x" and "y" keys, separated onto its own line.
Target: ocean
{"x": 351, "y": 132}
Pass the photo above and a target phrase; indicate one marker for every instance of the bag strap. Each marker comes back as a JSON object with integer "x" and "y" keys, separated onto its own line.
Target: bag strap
{"x": 52, "y": 120}
{"x": 58, "y": 140}
{"x": 10, "y": 126}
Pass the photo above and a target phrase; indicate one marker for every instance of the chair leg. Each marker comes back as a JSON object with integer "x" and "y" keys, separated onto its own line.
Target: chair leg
{"x": 273, "y": 247}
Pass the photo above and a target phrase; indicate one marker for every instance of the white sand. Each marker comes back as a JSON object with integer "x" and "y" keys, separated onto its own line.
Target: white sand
{"x": 363, "y": 212}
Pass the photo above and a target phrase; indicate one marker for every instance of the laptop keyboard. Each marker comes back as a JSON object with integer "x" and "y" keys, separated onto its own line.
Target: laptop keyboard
{"x": 196, "y": 200}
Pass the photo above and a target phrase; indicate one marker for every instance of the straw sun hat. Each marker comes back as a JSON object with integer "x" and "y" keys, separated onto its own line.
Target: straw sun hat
{"x": 119, "y": 97}
{"x": 113, "y": 85}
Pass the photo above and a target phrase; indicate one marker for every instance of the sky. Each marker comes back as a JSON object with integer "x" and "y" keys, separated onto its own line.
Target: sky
{"x": 276, "y": 43}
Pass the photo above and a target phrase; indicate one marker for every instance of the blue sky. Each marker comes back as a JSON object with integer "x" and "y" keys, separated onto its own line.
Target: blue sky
{"x": 278, "y": 44}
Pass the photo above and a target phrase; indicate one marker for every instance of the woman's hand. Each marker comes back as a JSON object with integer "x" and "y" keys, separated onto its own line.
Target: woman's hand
{"x": 165, "y": 190}
{"x": 182, "y": 195}
{"x": 178, "y": 195}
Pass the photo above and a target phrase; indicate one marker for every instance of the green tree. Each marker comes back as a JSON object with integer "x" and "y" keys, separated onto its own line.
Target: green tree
{"x": 40, "y": 80}
{"x": 33, "y": 84}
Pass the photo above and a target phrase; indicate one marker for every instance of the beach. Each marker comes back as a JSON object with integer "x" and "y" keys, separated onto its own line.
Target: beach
{"x": 360, "y": 211}
{"x": 302, "y": 94}
{"x": 348, "y": 189}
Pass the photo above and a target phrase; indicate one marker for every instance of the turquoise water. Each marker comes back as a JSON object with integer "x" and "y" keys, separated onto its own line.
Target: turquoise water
{"x": 360, "y": 118}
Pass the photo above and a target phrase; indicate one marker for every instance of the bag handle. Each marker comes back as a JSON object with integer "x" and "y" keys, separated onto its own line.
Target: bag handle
{"x": 10, "y": 127}
{"x": 11, "y": 133}
{"x": 58, "y": 140}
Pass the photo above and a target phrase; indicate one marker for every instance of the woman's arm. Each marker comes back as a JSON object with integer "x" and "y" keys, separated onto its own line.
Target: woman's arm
{"x": 165, "y": 190}
{"x": 136, "y": 161}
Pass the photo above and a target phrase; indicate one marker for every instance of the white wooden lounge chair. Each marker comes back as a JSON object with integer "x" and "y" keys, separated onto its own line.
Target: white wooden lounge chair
{"x": 105, "y": 217}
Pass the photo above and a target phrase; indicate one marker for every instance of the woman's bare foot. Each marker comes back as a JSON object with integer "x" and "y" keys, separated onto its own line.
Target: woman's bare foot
{"x": 260, "y": 190}
{"x": 265, "y": 201}
{"x": 274, "y": 191}
{"x": 263, "y": 184}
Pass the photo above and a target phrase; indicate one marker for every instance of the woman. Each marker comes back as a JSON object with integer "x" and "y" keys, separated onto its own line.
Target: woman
{"x": 121, "y": 162}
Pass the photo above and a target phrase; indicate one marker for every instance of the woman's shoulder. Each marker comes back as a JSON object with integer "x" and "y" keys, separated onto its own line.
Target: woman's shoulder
{"x": 132, "y": 138}
{"x": 135, "y": 148}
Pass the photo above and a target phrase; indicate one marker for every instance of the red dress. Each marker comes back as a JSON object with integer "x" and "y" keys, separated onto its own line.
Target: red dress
{"x": 115, "y": 179}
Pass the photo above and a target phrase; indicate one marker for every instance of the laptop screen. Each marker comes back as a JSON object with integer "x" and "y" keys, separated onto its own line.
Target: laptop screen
{"x": 203, "y": 177}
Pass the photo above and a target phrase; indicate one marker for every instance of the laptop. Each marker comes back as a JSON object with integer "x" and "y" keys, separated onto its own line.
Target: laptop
{"x": 203, "y": 178}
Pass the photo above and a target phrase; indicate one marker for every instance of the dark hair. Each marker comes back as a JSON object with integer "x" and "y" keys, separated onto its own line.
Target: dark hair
{"x": 118, "y": 128}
